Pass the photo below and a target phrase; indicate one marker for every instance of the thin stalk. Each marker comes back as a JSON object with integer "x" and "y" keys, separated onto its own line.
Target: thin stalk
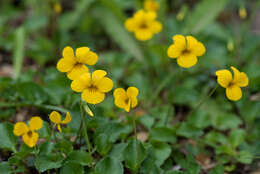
{"x": 203, "y": 100}
{"x": 36, "y": 159}
{"x": 134, "y": 125}
{"x": 84, "y": 126}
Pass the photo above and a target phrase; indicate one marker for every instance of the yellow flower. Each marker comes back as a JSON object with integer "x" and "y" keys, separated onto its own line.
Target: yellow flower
{"x": 73, "y": 65}
{"x": 55, "y": 117}
{"x": 186, "y": 49}
{"x": 151, "y": 5}
{"x": 180, "y": 16}
{"x": 232, "y": 84}
{"x": 30, "y": 137}
{"x": 93, "y": 87}
{"x": 57, "y": 8}
{"x": 126, "y": 99}
{"x": 242, "y": 13}
{"x": 143, "y": 24}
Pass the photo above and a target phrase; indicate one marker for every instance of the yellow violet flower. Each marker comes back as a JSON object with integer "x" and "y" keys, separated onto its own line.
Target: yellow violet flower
{"x": 186, "y": 49}
{"x": 143, "y": 24}
{"x": 242, "y": 13}
{"x": 126, "y": 99}
{"x": 30, "y": 137}
{"x": 232, "y": 84}
{"x": 55, "y": 117}
{"x": 57, "y": 8}
{"x": 73, "y": 65}
{"x": 93, "y": 86}
{"x": 151, "y": 5}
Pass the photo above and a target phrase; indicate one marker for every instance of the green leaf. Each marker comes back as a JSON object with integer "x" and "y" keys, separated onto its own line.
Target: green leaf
{"x": 134, "y": 154}
{"x": 245, "y": 157}
{"x": 48, "y": 161}
{"x": 109, "y": 165}
{"x": 214, "y": 138}
{"x": 8, "y": 139}
{"x": 102, "y": 143}
{"x": 162, "y": 152}
{"x": 163, "y": 134}
{"x": 64, "y": 146}
{"x": 118, "y": 33}
{"x": 150, "y": 167}
{"x": 204, "y": 14}
{"x": 5, "y": 168}
{"x": 188, "y": 130}
{"x": 219, "y": 169}
{"x": 18, "y": 54}
{"x": 236, "y": 137}
{"x": 72, "y": 168}
{"x": 117, "y": 151}
{"x": 81, "y": 157}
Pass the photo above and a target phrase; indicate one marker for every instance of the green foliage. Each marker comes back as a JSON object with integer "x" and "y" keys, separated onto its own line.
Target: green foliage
{"x": 9, "y": 140}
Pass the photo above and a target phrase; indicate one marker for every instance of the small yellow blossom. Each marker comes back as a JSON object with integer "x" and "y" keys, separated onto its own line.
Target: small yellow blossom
{"x": 180, "y": 16}
{"x": 186, "y": 49}
{"x": 30, "y": 137}
{"x": 57, "y": 8}
{"x": 232, "y": 84}
{"x": 143, "y": 24}
{"x": 230, "y": 45}
{"x": 55, "y": 117}
{"x": 242, "y": 13}
{"x": 151, "y": 5}
{"x": 73, "y": 65}
{"x": 126, "y": 99}
{"x": 93, "y": 87}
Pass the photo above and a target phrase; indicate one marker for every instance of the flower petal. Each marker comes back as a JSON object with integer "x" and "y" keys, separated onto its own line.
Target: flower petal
{"x": 92, "y": 97}
{"x": 59, "y": 128}
{"x": 65, "y": 64}
{"x": 55, "y": 117}
{"x": 233, "y": 93}
{"x": 31, "y": 140}
{"x": 180, "y": 41}
{"x": 151, "y": 5}
{"x": 150, "y": 15}
{"x": 68, "y": 53}
{"x": 240, "y": 78}
{"x": 194, "y": 46}
{"x": 155, "y": 26}
{"x": 134, "y": 102}
{"x": 85, "y": 56}
{"x": 119, "y": 92}
{"x": 98, "y": 75}
{"x": 224, "y": 77}
{"x": 77, "y": 71}
{"x": 67, "y": 119}
{"x": 143, "y": 34}
{"x": 174, "y": 51}
{"x": 105, "y": 84}
{"x": 132, "y": 92}
{"x": 187, "y": 60}
{"x": 20, "y": 128}
{"x": 35, "y": 123}
{"x": 130, "y": 24}
{"x": 81, "y": 83}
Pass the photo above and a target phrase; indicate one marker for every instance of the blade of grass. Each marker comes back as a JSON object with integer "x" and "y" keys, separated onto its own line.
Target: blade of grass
{"x": 18, "y": 52}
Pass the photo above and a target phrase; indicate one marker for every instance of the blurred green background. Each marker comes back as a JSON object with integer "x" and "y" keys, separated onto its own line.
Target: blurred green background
{"x": 220, "y": 135}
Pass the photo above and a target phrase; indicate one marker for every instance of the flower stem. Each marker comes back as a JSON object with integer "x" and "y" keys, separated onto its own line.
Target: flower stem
{"x": 203, "y": 100}
{"x": 36, "y": 159}
{"x": 134, "y": 125}
{"x": 84, "y": 126}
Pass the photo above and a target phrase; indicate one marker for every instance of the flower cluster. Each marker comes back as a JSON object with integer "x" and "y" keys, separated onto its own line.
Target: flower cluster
{"x": 144, "y": 24}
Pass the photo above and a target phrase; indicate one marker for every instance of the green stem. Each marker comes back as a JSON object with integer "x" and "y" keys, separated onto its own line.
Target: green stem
{"x": 84, "y": 126}
{"x": 203, "y": 100}
{"x": 43, "y": 106}
{"x": 134, "y": 125}
{"x": 37, "y": 159}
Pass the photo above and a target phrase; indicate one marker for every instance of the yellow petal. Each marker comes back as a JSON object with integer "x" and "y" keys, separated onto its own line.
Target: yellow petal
{"x": 150, "y": 5}
{"x": 155, "y": 26}
{"x": 119, "y": 92}
{"x": 132, "y": 92}
{"x": 66, "y": 64}
{"x": 143, "y": 34}
{"x": 67, "y": 119}
{"x": 134, "y": 102}
{"x": 77, "y": 71}
{"x": 224, "y": 77}
{"x": 68, "y": 53}
{"x": 85, "y": 56}
{"x": 31, "y": 140}
{"x": 59, "y": 128}
{"x": 20, "y": 128}
{"x": 98, "y": 75}
{"x": 233, "y": 93}
{"x": 121, "y": 100}
{"x": 55, "y": 117}
{"x": 127, "y": 106}
{"x": 150, "y": 15}
{"x": 105, "y": 84}
{"x": 35, "y": 123}
{"x": 139, "y": 14}
{"x": 187, "y": 60}
{"x": 92, "y": 97}
{"x": 179, "y": 41}
{"x": 81, "y": 83}
{"x": 130, "y": 25}
{"x": 240, "y": 78}
{"x": 194, "y": 46}
{"x": 174, "y": 51}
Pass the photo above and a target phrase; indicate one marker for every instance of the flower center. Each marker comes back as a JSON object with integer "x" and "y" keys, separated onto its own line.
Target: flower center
{"x": 92, "y": 88}
{"x": 30, "y": 134}
{"x": 143, "y": 25}
{"x": 231, "y": 84}
{"x": 186, "y": 51}
{"x": 126, "y": 101}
